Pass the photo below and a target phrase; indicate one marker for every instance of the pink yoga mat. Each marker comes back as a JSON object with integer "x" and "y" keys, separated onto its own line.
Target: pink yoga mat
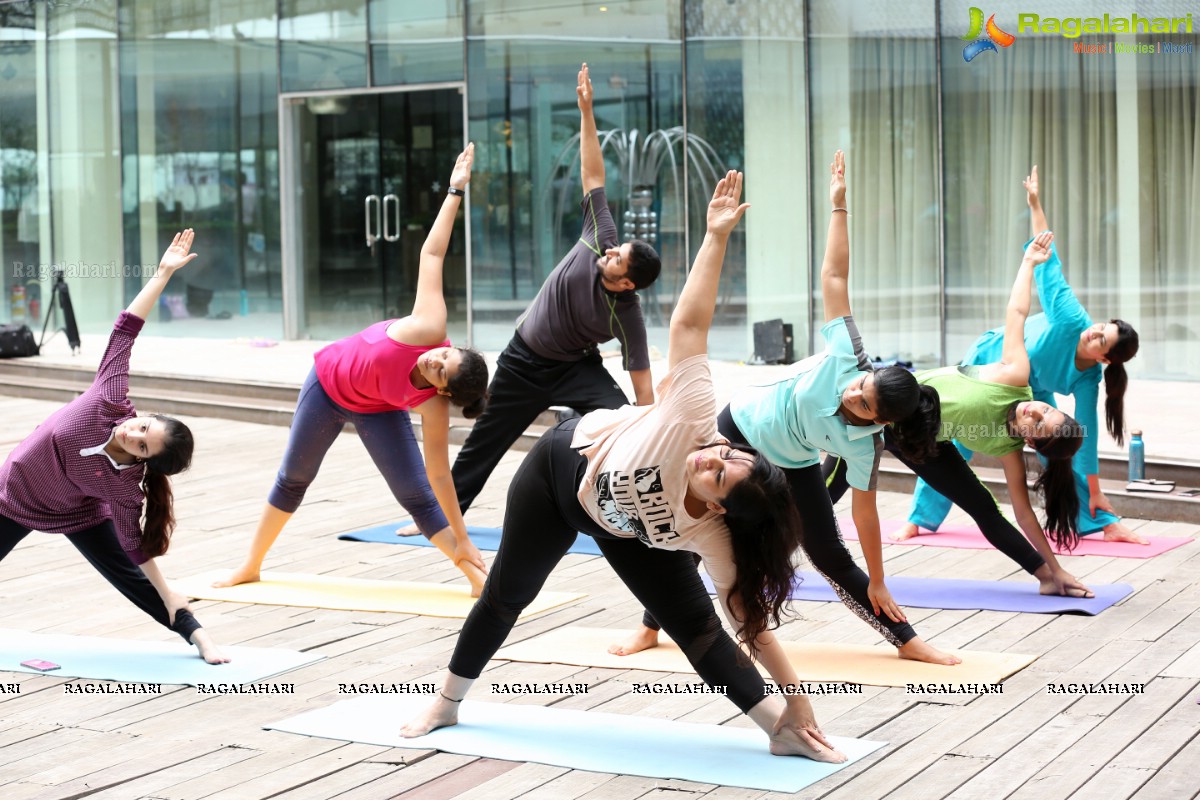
{"x": 969, "y": 538}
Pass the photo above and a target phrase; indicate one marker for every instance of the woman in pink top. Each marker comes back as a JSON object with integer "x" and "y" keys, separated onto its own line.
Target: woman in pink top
{"x": 652, "y": 485}
{"x": 373, "y": 379}
{"x": 87, "y": 471}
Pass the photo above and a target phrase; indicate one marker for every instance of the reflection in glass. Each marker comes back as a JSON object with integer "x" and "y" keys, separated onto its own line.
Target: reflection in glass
{"x": 371, "y": 172}
{"x": 22, "y": 205}
{"x": 416, "y": 42}
{"x": 873, "y": 85}
{"x": 199, "y": 136}
{"x": 322, "y": 44}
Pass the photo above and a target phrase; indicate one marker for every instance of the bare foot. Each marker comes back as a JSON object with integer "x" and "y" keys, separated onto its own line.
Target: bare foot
{"x": 409, "y": 530}
{"x": 243, "y": 574}
{"x": 208, "y": 648}
{"x": 442, "y": 714}
{"x": 908, "y": 531}
{"x": 1050, "y": 586}
{"x": 1116, "y": 532}
{"x": 917, "y": 649}
{"x": 788, "y": 743}
{"x": 642, "y": 639}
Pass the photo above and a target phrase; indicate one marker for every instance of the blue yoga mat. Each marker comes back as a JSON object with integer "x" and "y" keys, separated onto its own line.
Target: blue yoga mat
{"x": 620, "y": 744}
{"x": 484, "y": 538}
{"x": 131, "y": 661}
{"x": 951, "y": 593}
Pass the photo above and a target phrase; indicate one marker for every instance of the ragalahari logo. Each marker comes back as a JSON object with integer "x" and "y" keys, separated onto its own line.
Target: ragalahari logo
{"x": 994, "y": 37}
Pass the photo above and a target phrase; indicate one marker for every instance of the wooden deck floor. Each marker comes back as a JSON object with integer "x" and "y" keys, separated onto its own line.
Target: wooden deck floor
{"x": 1024, "y": 743}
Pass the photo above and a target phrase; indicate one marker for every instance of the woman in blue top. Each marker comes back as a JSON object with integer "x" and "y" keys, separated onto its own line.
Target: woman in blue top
{"x": 837, "y": 404}
{"x": 1065, "y": 353}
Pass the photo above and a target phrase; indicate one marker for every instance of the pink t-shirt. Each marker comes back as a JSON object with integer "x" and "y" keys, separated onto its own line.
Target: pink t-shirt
{"x": 369, "y": 372}
{"x": 636, "y": 479}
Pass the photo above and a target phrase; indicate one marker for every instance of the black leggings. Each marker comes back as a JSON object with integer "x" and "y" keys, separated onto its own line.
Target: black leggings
{"x": 99, "y": 545}
{"x": 541, "y": 518}
{"x": 952, "y": 476}
{"x": 823, "y": 544}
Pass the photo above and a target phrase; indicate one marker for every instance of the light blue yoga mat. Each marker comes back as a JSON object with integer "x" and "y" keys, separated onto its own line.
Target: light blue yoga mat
{"x": 130, "y": 661}
{"x": 952, "y": 593}
{"x": 620, "y": 744}
{"x": 484, "y": 538}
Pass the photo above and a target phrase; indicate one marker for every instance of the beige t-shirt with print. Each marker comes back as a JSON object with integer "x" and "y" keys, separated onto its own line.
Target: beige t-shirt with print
{"x": 636, "y": 478}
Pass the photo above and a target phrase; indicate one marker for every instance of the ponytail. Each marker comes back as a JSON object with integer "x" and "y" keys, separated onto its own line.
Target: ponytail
{"x": 914, "y": 412}
{"x": 1116, "y": 380}
{"x": 175, "y": 457}
{"x": 916, "y": 435}
{"x": 1057, "y": 482}
{"x": 160, "y": 514}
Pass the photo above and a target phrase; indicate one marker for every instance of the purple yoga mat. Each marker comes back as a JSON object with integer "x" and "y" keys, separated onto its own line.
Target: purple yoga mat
{"x": 967, "y": 537}
{"x": 951, "y": 593}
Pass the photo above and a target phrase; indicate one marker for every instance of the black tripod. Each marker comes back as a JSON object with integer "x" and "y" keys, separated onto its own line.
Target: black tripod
{"x": 60, "y": 294}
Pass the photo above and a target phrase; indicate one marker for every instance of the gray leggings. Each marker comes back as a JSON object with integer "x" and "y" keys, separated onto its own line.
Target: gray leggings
{"x": 388, "y": 437}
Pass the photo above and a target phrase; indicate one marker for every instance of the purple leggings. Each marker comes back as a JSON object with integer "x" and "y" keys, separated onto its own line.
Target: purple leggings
{"x": 388, "y": 437}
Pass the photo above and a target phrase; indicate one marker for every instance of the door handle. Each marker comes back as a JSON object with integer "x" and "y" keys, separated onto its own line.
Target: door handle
{"x": 388, "y": 234}
{"x": 372, "y": 237}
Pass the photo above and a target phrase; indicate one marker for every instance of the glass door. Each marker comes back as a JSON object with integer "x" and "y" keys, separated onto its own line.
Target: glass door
{"x": 367, "y": 175}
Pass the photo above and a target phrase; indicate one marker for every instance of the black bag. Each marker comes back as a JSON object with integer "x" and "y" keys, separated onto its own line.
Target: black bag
{"x": 16, "y": 341}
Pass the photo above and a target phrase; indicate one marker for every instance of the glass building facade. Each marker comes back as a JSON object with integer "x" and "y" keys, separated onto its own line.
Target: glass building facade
{"x": 309, "y": 144}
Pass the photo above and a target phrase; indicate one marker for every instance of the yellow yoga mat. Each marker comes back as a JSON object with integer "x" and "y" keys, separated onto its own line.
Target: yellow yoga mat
{"x": 353, "y": 594}
{"x": 813, "y": 661}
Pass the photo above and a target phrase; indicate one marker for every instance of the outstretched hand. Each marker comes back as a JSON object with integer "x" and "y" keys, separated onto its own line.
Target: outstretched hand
{"x": 1031, "y": 187}
{"x": 461, "y": 175}
{"x": 177, "y": 254}
{"x": 583, "y": 91}
{"x": 1039, "y": 249}
{"x": 837, "y": 180}
{"x": 726, "y": 208}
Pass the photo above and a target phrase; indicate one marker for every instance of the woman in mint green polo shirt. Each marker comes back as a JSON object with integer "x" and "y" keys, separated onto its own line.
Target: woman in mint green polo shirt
{"x": 991, "y": 409}
{"x": 1066, "y": 354}
{"x": 836, "y": 403}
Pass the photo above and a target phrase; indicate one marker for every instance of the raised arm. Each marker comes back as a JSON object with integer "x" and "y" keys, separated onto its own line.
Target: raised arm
{"x": 835, "y": 268}
{"x": 427, "y": 322}
{"x": 1014, "y": 358}
{"x": 1036, "y": 215}
{"x": 591, "y": 161}
{"x": 693, "y": 313}
{"x": 176, "y": 256}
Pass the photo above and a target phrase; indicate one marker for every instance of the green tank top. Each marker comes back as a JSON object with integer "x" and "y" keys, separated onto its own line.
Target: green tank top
{"x": 975, "y": 411}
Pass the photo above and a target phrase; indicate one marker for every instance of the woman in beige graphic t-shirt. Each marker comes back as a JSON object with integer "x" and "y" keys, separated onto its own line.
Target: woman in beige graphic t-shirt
{"x": 652, "y": 485}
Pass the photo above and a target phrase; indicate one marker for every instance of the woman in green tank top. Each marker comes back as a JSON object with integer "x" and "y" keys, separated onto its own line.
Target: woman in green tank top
{"x": 990, "y": 409}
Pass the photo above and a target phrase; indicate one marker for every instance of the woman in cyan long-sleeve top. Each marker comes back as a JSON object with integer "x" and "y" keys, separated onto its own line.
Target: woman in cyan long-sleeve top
{"x": 89, "y": 468}
{"x": 1066, "y": 351}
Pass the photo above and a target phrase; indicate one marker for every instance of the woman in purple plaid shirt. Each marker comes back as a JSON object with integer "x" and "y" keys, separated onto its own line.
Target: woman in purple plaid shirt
{"x": 87, "y": 471}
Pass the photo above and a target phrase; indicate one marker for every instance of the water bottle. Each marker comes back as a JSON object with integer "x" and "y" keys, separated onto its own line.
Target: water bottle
{"x": 245, "y": 303}
{"x": 1137, "y": 456}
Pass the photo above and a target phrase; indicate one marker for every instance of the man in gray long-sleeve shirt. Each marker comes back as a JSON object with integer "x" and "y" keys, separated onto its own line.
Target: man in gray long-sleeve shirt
{"x": 553, "y": 359}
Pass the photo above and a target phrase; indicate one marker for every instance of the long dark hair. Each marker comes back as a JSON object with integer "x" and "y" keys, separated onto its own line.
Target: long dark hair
{"x": 1057, "y": 482}
{"x": 914, "y": 412}
{"x": 176, "y": 456}
{"x": 1116, "y": 380}
{"x": 468, "y": 387}
{"x": 765, "y": 533}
